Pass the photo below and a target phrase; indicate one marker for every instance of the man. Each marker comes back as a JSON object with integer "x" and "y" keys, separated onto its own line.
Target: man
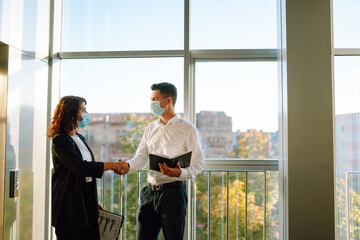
{"x": 163, "y": 202}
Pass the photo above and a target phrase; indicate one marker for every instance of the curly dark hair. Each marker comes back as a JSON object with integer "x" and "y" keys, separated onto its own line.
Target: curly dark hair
{"x": 65, "y": 115}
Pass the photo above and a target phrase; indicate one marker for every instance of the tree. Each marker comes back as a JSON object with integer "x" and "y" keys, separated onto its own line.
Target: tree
{"x": 255, "y": 205}
{"x": 256, "y": 144}
{"x": 138, "y": 123}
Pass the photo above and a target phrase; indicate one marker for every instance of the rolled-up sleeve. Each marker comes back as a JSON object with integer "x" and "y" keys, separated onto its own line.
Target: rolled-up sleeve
{"x": 197, "y": 159}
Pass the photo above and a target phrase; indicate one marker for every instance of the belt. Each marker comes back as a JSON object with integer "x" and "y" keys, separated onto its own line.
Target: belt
{"x": 166, "y": 185}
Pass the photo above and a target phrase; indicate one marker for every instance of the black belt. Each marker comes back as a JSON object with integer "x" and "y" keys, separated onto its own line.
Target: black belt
{"x": 166, "y": 185}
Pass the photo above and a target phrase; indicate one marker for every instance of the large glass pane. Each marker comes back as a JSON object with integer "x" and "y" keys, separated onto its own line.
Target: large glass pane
{"x": 253, "y": 202}
{"x": 353, "y": 208}
{"x": 237, "y": 200}
{"x": 118, "y": 95}
{"x": 120, "y": 85}
{"x": 255, "y": 205}
{"x": 201, "y": 203}
{"x": 346, "y": 23}
{"x": 233, "y": 24}
{"x": 218, "y": 205}
{"x": 272, "y": 205}
{"x": 24, "y": 215}
{"x": 111, "y": 25}
{"x": 237, "y": 109}
{"x": 347, "y": 132}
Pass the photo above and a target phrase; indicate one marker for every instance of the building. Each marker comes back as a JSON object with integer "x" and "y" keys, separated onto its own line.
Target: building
{"x": 215, "y": 130}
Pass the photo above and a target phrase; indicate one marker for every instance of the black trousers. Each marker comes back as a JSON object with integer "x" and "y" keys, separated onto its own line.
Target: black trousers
{"x": 164, "y": 209}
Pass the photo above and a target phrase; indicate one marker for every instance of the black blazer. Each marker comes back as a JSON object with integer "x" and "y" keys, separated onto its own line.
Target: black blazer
{"x": 68, "y": 183}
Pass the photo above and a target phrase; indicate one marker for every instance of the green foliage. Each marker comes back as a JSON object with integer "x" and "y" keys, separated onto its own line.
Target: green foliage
{"x": 255, "y": 144}
{"x": 132, "y": 139}
{"x": 255, "y": 205}
{"x": 354, "y": 210}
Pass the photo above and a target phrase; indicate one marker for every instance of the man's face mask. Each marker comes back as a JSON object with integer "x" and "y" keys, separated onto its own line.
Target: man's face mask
{"x": 156, "y": 109}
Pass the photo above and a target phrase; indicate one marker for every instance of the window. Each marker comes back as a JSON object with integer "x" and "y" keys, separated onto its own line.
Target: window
{"x": 233, "y": 24}
{"x": 231, "y": 112}
{"x": 347, "y": 117}
{"x": 113, "y": 25}
{"x": 346, "y": 23}
{"x": 230, "y": 93}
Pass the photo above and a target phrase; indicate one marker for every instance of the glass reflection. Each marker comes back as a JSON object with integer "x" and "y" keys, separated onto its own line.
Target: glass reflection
{"x": 26, "y": 143}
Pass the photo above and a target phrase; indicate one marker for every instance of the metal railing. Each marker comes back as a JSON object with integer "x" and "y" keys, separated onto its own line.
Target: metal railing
{"x": 349, "y": 188}
{"x": 226, "y": 175}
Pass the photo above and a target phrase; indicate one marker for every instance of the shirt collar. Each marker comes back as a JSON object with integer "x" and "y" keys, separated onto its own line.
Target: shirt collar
{"x": 172, "y": 121}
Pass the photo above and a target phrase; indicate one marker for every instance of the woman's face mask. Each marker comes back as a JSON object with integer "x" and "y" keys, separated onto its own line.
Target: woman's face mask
{"x": 85, "y": 120}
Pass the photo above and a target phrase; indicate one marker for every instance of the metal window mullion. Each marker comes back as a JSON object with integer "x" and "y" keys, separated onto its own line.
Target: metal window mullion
{"x": 241, "y": 164}
{"x": 121, "y": 54}
{"x": 346, "y": 51}
{"x": 125, "y": 206}
{"x": 199, "y": 55}
{"x": 187, "y": 110}
{"x": 264, "y": 227}
{"x": 246, "y": 202}
{"x": 193, "y": 219}
{"x": 235, "y": 54}
{"x": 209, "y": 206}
{"x": 120, "y": 200}
{"x": 138, "y": 186}
{"x": 103, "y": 190}
{"x": 347, "y": 205}
{"x": 227, "y": 205}
{"x": 237, "y": 206}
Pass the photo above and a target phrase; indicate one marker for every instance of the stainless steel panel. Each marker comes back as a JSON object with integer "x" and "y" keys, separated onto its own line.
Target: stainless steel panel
{"x": 3, "y": 102}
{"x": 26, "y": 145}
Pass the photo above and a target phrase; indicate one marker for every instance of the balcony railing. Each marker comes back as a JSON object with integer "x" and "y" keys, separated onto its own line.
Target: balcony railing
{"x": 352, "y": 204}
{"x": 230, "y": 199}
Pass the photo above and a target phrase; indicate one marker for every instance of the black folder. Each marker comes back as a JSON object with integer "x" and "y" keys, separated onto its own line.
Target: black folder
{"x": 183, "y": 159}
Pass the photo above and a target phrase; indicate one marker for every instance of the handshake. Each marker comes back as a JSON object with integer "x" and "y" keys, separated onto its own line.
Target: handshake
{"x": 120, "y": 167}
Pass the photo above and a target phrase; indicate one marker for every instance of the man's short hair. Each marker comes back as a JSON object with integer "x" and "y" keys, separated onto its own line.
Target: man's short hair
{"x": 166, "y": 90}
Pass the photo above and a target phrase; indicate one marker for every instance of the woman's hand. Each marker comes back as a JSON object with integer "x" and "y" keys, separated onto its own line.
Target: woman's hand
{"x": 120, "y": 167}
{"x": 100, "y": 208}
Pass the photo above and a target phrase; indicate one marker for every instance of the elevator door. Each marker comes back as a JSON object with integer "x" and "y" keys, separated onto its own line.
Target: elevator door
{"x": 25, "y": 124}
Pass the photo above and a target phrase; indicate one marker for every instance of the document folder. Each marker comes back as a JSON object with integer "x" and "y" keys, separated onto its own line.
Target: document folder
{"x": 155, "y": 159}
{"x": 109, "y": 225}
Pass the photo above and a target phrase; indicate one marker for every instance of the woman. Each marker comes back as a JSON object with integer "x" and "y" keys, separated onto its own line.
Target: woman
{"x": 75, "y": 207}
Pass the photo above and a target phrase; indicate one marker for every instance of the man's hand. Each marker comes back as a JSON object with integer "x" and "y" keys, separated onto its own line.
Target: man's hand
{"x": 122, "y": 167}
{"x": 171, "y": 172}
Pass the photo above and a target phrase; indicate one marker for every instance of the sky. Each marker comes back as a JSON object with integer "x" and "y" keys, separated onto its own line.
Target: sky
{"x": 248, "y": 92}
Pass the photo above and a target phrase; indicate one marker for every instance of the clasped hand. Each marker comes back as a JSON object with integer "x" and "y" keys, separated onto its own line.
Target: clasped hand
{"x": 121, "y": 167}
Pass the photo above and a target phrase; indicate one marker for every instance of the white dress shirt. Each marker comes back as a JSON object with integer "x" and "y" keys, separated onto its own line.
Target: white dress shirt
{"x": 175, "y": 138}
{"x": 85, "y": 153}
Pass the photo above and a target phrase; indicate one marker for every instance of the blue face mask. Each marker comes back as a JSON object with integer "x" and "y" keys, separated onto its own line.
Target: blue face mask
{"x": 85, "y": 120}
{"x": 156, "y": 108}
